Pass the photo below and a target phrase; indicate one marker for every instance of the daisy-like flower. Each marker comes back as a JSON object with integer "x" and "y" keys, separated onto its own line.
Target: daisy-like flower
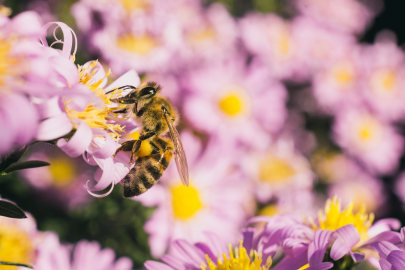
{"x": 218, "y": 199}
{"x": 334, "y": 232}
{"x": 85, "y": 107}
{"x": 237, "y": 104}
{"x": 271, "y": 38}
{"x": 85, "y": 255}
{"x": 18, "y": 241}
{"x": 211, "y": 254}
{"x": 384, "y": 83}
{"x": 62, "y": 182}
{"x": 348, "y": 16}
{"x": 338, "y": 84}
{"x": 278, "y": 170}
{"x": 374, "y": 143}
{"x": 348, "y": 181}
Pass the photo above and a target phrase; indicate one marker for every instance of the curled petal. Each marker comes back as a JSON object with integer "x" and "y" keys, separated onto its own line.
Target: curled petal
{"x": 54, "y": 128}
{"x": 98, "y": 195}
{"x": 66, "y": 71}
{"x": 68, "y": 33}
{"x": 79, "y": 142}
{"x": 357, "y": 257}
{"x": 386, "y": 224}
{"x": 102, "y": 149}
{"x": 389, "y": 236}
{"x": 348, "y": 236}
{"x": 104, "y": 175}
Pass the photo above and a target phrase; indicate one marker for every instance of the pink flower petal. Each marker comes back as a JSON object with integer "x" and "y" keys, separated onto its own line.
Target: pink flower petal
{"x": 26, "y": 24}
{"x": 397, "y": 259}
{"x": 105, "y": 150}
{"x": 385, "y": 265}
{"x": 79, "y": 142}
{"x": 322, "y": 266}
{"x": 348, "y": 236}
{"x": 129, "y": 78}
{"x": 317, "y": 247}
{"x": 152, "y": 265}
{"x": 67, "y": 38}
{"x": 54, "y": 128}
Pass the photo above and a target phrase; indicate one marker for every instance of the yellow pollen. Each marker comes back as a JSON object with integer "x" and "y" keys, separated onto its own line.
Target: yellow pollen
{"x": 131, "y": 5}
{"x": 202, "y": 36}
{"x": 15, "y": 246}
{"x": 96, "y": 115}
{"x": 145, "y": 149}
{"x": 5, "y": 11}
{"x": 63, "y": 171}
{"x": 231, "y": 105}
{"x": 284, "y": 45}
{"x": 142, "y": 45}
{"x": 334, "y": 218}
{"x": 274, "y": 169}
{"x": 238, "y": 259}
{"x": 186, "y": 202}
{"x": 343, "y": 75}
{"x": 269, "y": 210}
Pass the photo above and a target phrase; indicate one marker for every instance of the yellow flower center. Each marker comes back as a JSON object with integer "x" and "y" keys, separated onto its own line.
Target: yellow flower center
{"x": 185, "y": 201}
{"x": 334, "y": 218}
{"x": 274, "y": 169}
{"x": 368, "y": 129}
{"x": 15, "y": 246}
{"x": 202, "y": 36}
{"x": 142, "y": 45}
{"x": 269, "y": 210}
{"x": 9, "y": 65}
{"x": 238, "y": 260}
{"x": 232, "y": 104}
{"x": 5, "y": 11}
{"x": 131, "y": 5}
{"x": 96, "y": 115}
{"x": 343, "y": 73}
{"x": 284, "y": 43}
{"x": 384, "y": 81}
{"x": 63, "y": 171}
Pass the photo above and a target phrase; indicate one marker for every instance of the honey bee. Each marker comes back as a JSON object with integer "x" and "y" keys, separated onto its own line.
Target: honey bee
{"x": 157, "y": 116}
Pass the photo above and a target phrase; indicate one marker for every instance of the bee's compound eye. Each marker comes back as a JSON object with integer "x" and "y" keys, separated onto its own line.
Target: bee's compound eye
{"x": 147, "y": 91}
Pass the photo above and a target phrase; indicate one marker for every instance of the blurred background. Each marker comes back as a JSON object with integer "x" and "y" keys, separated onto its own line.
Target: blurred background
{"x": 282, "y": 103}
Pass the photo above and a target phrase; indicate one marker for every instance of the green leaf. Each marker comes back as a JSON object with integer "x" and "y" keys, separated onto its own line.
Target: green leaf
{"x": 12, "y": 157}
{"x": 26, "y": 165}
{"x": 11, "y": 210}
{"x": 16, "y": 264}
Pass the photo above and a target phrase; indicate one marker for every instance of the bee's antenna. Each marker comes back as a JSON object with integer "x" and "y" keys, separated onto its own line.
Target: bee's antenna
{"x": 121, "y": 88}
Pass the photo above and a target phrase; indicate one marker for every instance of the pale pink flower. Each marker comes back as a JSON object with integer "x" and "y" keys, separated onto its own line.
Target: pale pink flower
{"x": 218, "y": 199}
{"x": 348, "y": 16}
{"x": 62, "y": 182}
{"x": 373, "y": 142}
{"x": 277, "y": 170}
{"x": 236, "y": 102}
{"x": 384, "y": 82}
{"x": 272, "y": 40}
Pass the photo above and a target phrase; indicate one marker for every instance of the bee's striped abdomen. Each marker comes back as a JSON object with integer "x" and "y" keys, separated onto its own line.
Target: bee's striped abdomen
{"x": 146, "y": 172}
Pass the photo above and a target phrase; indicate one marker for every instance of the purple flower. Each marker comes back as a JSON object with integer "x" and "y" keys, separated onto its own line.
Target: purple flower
{"x": 218, "y": 200}
{"x": 211, "y": 253}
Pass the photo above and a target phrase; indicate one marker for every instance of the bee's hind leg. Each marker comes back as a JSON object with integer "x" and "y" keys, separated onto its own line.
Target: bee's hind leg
{"x": 135, "y": 148}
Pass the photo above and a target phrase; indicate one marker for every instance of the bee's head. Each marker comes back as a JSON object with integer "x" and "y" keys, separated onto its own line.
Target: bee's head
{"x": 148, "y": 91}
{"x": 141, "y": 94}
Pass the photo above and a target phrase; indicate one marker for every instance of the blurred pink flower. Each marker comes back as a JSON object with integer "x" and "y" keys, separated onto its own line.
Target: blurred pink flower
{"x": 348, "y": 16}
{"x": 384, "y": 82}
{"x": 399, "y": 188}
{"x": 373, "y": 142}
{"x": 218, "y": 200}
{"x": 277, "y": 170}
{"x": 272, "y": 40}
{"x": 62, "y": 182}
{"x": 235, "y": 103}
{"x": 85, "y": 255}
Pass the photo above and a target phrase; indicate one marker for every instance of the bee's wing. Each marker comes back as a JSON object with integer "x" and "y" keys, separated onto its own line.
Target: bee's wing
{"x": 180, "y": 156}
